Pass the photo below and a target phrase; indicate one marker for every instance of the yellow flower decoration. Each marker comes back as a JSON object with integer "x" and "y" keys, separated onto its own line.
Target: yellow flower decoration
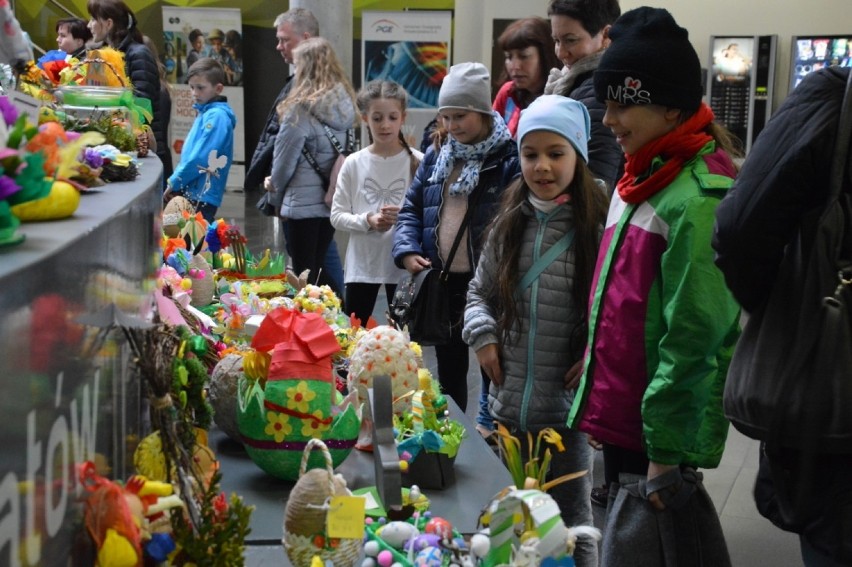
{"x": 552, "y": 437}
{"x": 256, "y": 364}
{"x": 418, "y": 350}
{"x": 299, "y": 397}
{"x": 279, "y": 426}
{"x": 314, "y": 427}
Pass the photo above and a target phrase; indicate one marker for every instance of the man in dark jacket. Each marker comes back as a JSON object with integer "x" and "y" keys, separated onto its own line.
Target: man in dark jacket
{"x": 784, "y": 181}
{"x": 292, "y": 27}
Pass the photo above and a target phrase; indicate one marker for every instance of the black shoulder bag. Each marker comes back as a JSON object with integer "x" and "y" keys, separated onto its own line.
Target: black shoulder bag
{"x": 421, "y": 301}
{"x": 790, "y": 381}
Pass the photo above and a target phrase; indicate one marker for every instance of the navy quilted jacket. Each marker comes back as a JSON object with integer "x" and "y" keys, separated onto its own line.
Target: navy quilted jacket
{"x": 417, "y": 224}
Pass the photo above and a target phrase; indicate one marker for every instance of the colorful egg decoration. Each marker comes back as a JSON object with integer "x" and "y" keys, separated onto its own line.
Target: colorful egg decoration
{"x": 384, "y": 350}
{"x": 276, "y": 421}
{"x": 440, "y": 527}
{"x": 429, "y": 557}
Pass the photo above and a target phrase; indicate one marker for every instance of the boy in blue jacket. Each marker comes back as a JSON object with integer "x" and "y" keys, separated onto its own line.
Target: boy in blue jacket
{"x": 209, "y": 148}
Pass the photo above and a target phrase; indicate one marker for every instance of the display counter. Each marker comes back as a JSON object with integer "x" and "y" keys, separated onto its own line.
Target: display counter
{"x": 68, "y": 394}
{"x": 479, "y": 476}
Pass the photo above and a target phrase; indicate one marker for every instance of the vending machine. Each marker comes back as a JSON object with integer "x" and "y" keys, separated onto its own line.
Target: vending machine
{"x": 813, "y": 52}
{"x": 740, "y": 82}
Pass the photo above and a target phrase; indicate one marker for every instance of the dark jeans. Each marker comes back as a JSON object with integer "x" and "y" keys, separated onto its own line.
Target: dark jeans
{"x": 453, "y": 358}
{"x": 309, "y": 240}
{"x": 332, "y": 266}
{"x": 361, "y": 299}
{"x": 484, "y": 417}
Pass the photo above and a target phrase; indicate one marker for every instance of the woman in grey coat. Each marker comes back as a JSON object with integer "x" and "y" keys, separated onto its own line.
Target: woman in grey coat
{"x": 322, "y": 96}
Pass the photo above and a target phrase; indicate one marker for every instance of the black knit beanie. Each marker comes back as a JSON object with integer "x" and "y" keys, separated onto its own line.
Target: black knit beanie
{"x": 650, "y": 61}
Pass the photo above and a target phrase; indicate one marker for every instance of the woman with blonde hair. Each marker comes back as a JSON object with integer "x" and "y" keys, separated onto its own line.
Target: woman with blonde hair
{"x": 319, "y": 111}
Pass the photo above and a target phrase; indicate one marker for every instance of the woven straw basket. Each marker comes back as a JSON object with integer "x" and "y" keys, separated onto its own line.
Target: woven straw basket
{"x": 305, "y": 514}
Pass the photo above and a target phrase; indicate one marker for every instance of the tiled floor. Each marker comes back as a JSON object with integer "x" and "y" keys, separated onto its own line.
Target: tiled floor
{"x": 752, "y": 540}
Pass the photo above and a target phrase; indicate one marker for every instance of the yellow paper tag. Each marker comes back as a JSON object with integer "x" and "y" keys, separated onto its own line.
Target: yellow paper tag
{"x": 345, "y": 518}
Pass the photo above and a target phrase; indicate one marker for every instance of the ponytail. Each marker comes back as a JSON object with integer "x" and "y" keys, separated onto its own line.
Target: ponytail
{"x": 414, "y": 160}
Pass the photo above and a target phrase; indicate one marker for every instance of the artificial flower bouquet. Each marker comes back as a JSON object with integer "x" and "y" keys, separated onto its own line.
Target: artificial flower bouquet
{"x": 93, "y": 94}
{"x": 39, "y": 166}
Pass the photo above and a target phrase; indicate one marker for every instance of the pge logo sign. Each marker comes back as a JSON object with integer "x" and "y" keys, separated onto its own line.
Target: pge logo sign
{"x": 384, "y": 26}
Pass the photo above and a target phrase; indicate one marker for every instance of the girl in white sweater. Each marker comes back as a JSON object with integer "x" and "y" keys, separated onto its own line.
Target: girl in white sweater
{"x": 370, "y": 188}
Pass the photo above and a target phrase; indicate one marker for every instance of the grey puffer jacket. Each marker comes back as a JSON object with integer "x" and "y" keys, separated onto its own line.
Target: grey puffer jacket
{"x": 299, "y": 190}
{"x": 535, "y": 360}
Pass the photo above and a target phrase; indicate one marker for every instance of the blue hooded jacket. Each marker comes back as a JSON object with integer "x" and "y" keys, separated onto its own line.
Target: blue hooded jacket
{"x": 212, "y": 131}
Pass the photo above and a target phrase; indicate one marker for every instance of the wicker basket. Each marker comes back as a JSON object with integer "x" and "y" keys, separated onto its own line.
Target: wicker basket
{"x": 304, "y": 516}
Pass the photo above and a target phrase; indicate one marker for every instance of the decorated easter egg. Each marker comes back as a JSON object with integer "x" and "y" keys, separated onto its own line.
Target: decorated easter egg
{"x": 61, "y": 202}
{"x": 202, "y": 285}
{"x": 423, "y": 541}
{"x": 173, "y": 215}
{"x": 371, "y": 548}
{"x": 384, "y": 351}
{"x": 440, "y": 527}
{"x": 222, "y": 394}
{"x": 296, "y": 404}
{"x": 480, "y": 544}
{"x": 275, "y": 438}
{"x": 429, "y": 557}
{"x": 395, "y": 534}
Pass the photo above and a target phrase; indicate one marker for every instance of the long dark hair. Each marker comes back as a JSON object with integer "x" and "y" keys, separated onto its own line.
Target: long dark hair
{"x": 124, "y": 21}
{"x": 590, "y": 205}
{"x": 530, "y": 32}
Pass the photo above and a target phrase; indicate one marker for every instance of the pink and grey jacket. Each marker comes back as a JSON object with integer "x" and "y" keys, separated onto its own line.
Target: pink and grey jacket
{"x": 662, "y": 323}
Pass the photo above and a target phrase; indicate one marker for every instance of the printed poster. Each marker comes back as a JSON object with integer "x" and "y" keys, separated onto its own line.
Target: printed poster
{"x": 191, "y": 33}
{"x": 413, "y": 49}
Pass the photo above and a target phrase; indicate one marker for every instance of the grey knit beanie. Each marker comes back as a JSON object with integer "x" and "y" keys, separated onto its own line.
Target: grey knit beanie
{"x": 466, "y": 86}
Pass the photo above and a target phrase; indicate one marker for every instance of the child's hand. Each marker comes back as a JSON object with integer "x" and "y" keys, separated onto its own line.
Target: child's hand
{"x": 390, "y": 213}
{"x": 378, "y": 222}
{"x": 415, "y": 263}
{"x": 489, "y": 360}
{"x": 572, "y": 377}
{"x": 655, "y": 470}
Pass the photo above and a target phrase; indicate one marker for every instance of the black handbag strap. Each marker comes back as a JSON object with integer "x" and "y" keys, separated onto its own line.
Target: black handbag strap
{"x": 471, "y": 205}
{"x": 350, "y": 146}
{"x": 313, "y": 163}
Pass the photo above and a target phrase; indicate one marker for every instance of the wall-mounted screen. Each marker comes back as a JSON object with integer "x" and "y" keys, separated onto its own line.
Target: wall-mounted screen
{"x": 813, "y": 52}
